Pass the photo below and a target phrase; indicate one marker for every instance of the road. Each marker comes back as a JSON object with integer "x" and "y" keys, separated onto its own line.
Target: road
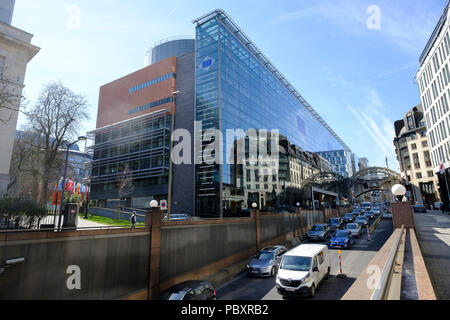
{"x": 354, "y": 261}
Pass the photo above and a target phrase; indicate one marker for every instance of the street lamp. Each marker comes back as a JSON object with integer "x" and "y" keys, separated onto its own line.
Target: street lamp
{"x": 254, "y": 205}
{"x": 169, "y": 194}
{"x": 399, "y": 191}
{"x": 81, "y": 138}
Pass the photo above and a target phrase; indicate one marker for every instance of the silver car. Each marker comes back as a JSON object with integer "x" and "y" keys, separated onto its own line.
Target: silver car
{"x": 266, "y": 262}
{"x": 355, "y": 228}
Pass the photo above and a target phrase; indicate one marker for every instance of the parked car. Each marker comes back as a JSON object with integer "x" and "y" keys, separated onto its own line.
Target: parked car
{"x": 363, "y": 221}
{"x": 319, "y": 232}
{"x": 386, "y": 215}
{"x": 265, "y": 263}
{"x": 342, "y": 239}
{"x": 334, "y": 224}
{"x": 190, "y": 290}
{"x": 302, "y": 269}
{"x": 355, "y": 228}
{"x": 348, "y": 217}
{"x": 420, "y": 208}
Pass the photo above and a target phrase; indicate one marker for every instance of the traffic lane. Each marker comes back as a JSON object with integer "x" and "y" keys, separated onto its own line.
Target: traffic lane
{"x": 354, "y": 261}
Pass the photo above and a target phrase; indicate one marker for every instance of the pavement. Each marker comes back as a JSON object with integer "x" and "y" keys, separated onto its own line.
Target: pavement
{"x": 354, "y": 261}
{"x": 82, "y": 223}
{"x": 433, "y": 235}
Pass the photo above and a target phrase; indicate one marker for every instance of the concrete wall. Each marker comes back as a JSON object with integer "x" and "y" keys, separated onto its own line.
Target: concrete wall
{"x": 186, "y": 248}
{"x": 114, "y": 264}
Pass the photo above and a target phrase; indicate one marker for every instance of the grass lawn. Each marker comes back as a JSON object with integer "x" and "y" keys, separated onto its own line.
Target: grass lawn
{"x": 111, "y": 222}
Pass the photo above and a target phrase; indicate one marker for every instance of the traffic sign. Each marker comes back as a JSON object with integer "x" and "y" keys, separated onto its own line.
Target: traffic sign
{"x": 442, "y": 168}
{"x": 163, "y": 204}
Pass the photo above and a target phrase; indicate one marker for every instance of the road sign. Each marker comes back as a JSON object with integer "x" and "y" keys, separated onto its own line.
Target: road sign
{"x": 442, "y": 168}
{"x": 163, "y": 204}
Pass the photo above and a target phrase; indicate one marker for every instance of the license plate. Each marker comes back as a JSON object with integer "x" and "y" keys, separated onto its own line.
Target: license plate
{"x": 290, "y": 289}
{"x": 255, "y": 272}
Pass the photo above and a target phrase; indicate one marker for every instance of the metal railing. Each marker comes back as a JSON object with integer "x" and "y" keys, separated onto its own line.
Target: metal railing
{"x": 382, "y": 289}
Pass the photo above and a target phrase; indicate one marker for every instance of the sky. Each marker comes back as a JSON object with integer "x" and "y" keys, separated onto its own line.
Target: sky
{"x": 354, "y": 61}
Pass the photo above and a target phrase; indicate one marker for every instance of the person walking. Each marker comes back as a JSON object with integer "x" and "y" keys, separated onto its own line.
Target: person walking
{"x": 133, "y": 219}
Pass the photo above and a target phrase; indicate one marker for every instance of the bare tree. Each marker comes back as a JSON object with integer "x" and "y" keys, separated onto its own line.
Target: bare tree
{"x": 125, "y": 186}
{"x": 55, "y": 118}
{"x": 10, "y": 98}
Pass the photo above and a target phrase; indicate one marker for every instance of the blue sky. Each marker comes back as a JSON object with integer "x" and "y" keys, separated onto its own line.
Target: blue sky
{"x": 359, "y": 79}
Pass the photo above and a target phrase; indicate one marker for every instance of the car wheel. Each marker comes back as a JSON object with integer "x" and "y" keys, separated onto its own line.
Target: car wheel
{"x": 273, "y": 272}
{"x": 327, "y": 276}
{"x": 313, "y": 290}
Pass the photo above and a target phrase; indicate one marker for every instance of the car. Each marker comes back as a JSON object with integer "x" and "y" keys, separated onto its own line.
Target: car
{"x": 319, "y": 232}
{"x": 355, "y": 213}
{"x": 363, "y": 221}
{"x": 342, "y": 239}
{"x": 303, "y": 269}
{"x": 369, "y": 215}
{"x": 386, "y": 215}
{"x": 376, "y": 211}
{"x": 334, "y": 224}
{"x": 420, "y": 208}
{"x": 348, "y": 217}
{"x": 355, "y": 228}
{"x": 265, "y": 263}
{"x": 190, "y": 290}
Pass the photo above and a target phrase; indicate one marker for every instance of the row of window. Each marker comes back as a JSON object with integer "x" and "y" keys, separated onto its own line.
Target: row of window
{"x": 112, "y": 186}
{"x": 152, "y": 82}
{"x": 133, "y": 165}
{"x": 133, "y": 129}
{"x": 126, "y": 148}
{"x": 151, "y": 105}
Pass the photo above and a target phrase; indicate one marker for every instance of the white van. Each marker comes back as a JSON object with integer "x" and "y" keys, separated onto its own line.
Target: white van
{"x": 302, "y": 269}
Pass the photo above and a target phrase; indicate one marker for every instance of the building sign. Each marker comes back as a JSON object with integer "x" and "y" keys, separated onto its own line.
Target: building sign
{"x": 207, "y": 63}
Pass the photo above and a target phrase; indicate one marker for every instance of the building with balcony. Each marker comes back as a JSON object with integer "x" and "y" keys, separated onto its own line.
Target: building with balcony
{"x": 16, "y": 51}
{"x": 413, "y": 153}
{"x": 433, "y": 79}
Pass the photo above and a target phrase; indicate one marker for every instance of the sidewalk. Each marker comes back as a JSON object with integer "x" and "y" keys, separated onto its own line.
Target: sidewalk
{"x": 82, "y": 223}
{"x": 433, "y": 234}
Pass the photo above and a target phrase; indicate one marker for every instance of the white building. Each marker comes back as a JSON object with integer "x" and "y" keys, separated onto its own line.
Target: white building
{"x": 16, "y": 51}
{"x": 433, "y": 79}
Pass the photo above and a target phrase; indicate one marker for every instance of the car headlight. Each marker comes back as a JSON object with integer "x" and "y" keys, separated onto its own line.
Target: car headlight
{"x": 247, "y": 266}
{"x": 306, "y": 279}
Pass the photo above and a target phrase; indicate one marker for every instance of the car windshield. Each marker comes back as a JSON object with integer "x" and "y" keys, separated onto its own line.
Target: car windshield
{"x": 361, "y": 219}
{"x": 317, "y": 228}
{"x": 333, "y": 220}
{"x": 265, "y": 255}
{"x": 341, "y": 234}
{"x": 348, "y": 215}
{"x": 352, "y": 226}
{"x": 294, "y": 263}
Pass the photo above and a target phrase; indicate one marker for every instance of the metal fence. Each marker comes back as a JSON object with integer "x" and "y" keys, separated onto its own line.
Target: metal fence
{"x": 10, "y": 220}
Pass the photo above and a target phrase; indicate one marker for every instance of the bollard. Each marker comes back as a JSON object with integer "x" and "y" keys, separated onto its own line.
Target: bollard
{"x": 341, "y": 274}
{"x": 368, "y": 232}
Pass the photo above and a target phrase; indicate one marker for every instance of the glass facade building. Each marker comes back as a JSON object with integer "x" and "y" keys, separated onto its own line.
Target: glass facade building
{"x": 238, "y": 88}
{"x": 341, "y": 159}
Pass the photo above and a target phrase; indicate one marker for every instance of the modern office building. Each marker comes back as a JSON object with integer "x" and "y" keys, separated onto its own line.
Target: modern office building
{"x": 363, "y": 163}
{"x": 413, "y": 154}
{"x": 238, "y": 87}
{"x": 433, "y": 79}
{"x": 225, "y": 83}
{"x": 136, "y": 117}
{"x": 16, "y": 51}
{"x": 342, "y": 159}
{"x": 170, "y": 47}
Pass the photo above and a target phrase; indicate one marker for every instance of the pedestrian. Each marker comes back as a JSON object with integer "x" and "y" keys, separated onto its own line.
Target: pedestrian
{"x": 431, "y": 207}
{"x": 133, "y": 219}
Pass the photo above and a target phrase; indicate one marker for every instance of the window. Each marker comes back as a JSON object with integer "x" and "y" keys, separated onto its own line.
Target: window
{"x": 419, "y": 175}
{"x": 430, "y": 174}
{"x": 424, "y": 143}
{"x": 321, "y": 258}
{"x": 414, "y": 146}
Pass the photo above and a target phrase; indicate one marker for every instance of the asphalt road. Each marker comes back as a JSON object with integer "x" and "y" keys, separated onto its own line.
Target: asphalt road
{"x": 354, "y": 261}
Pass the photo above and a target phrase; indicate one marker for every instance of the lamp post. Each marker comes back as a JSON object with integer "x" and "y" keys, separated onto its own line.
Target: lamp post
{"x": 82, "y": 138}
{"x": 399, "y": 191}
{"x": 169, "y": 195}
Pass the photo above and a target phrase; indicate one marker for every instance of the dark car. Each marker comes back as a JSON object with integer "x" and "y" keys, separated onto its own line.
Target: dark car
{"x": 334, "y": 224}
{"x": 363, "y": 221}
{"x": 348, "y": 217}
{"x": 190, "y": 290}
{"x": 319, "y": 232}
{"x": 342, "y": 239}
{"x": 420, "y": 208}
